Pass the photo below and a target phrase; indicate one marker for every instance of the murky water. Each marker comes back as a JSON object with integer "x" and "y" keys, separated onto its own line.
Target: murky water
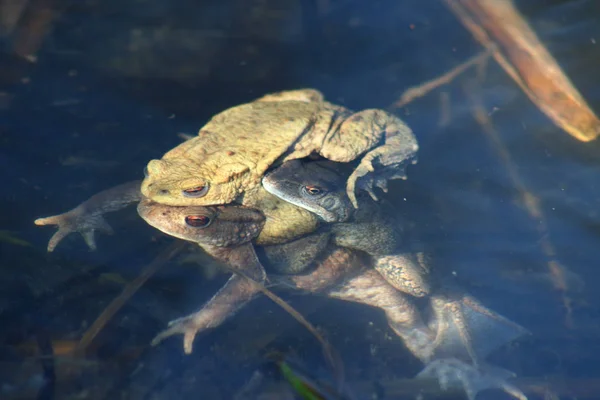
{"x": 115, "y": 82}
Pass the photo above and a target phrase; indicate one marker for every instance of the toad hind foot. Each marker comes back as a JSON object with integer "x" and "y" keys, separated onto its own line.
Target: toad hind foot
{"x": 467, "y": 329}
{"x": 451, "y": 372}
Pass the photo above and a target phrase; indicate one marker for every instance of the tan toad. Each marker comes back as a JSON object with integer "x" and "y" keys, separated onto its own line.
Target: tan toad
{"x": 231, "y": 153}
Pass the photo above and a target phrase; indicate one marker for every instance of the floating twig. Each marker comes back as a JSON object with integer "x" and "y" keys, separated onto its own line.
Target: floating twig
{"x": 527, "y": 61}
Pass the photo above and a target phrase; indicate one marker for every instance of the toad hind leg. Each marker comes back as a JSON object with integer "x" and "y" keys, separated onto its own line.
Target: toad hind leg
{"x": 467, "y": 331}
{"x": 403, "y": 273}
{"x": 370, "y": 288}
{"x": 403, "y": 317}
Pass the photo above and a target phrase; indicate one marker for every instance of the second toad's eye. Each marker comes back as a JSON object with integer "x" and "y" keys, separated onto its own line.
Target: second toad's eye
{"x": 198, "y": 221}
{"x": 197, "y": 191}
{"x": 312, "y": 190}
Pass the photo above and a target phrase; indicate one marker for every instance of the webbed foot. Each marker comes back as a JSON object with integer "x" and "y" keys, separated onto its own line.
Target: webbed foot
{"x": 75, "y": 220}
{"x": 466, "y": 329}
{"x": 451, "y": 372}
{"x": 403, "y": 273}
{"x": 188, "y": 326}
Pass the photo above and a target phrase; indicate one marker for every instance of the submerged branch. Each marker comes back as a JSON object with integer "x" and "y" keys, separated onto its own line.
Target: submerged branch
{"x": 421, "y": 90}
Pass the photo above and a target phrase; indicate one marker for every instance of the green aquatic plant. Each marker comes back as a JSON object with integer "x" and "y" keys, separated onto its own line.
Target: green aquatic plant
{"x": 10, "y": 238}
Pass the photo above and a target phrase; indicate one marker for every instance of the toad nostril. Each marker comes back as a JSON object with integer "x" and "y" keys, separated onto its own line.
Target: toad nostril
{"x": 163, "y": 191}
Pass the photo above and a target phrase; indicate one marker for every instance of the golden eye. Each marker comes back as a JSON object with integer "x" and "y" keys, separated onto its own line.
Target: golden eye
{"x": 312, "y": 190}
{"x": 197, "y": 191}
{"x": 197, "y": 221}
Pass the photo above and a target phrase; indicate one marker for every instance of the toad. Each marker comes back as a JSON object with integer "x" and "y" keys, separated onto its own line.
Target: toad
{"x": 318, "y": 186}
{"x": 227, "y": 159}
{"x": 460, "y": 334}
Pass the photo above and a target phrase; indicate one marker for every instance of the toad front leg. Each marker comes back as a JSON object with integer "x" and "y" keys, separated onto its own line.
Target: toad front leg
{"x": 87, "y": 217}
{"x": 391, "y": 144}
{"x": 385, "y": 143}
{"x": 238, "y": 291}
{"x": 234, "y": 295}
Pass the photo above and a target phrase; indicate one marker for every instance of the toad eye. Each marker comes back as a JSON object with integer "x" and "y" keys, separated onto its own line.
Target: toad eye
{"x": 197, "y": 191}
{"x": 312, "y": 190}
{"x": 198, "y": 221}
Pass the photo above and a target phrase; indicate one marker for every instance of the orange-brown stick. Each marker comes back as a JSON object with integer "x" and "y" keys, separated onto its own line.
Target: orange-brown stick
{"x": 527, "y": 61}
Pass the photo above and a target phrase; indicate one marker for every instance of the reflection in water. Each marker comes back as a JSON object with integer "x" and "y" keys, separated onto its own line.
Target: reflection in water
{"x": 161, "y": 68}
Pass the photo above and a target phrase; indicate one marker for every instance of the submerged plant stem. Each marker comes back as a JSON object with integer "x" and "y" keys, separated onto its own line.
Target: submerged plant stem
{"x": 421, "y": 90}
{"x": 125, "y": 295}
{"x": 331, "y": 356}
{"x": 531, "y": 204}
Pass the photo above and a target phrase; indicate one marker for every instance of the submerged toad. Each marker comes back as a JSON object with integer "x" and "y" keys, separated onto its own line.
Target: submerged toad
{"x": 87, "y": 218}
{"x": 228, "y": 158}
{"x": 318, "y": 186}
{"x": 462, "y": 331}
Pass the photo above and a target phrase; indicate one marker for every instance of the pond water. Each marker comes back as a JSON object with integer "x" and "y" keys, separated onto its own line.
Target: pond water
{"x": 112, "y": 84}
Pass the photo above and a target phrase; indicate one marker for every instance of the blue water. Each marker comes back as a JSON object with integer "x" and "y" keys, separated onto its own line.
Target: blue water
{"x": 113, "y": 84}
